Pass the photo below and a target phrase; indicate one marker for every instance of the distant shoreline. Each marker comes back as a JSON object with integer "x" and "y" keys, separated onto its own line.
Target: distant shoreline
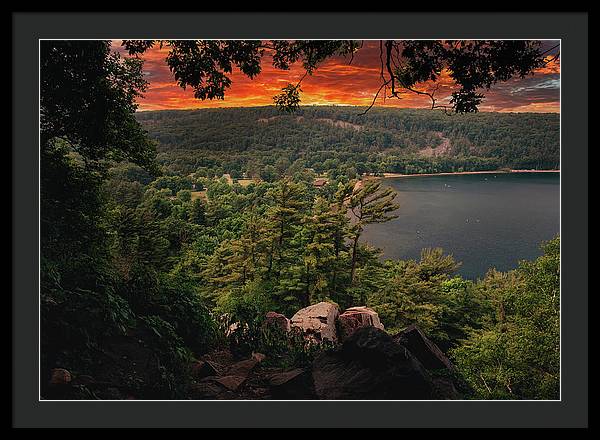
{"x": 359, "y": 108}
{"x": 460, "y": 173}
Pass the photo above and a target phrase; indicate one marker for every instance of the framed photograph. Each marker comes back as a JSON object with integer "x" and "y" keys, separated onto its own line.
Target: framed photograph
{"x": 240, "y": 220}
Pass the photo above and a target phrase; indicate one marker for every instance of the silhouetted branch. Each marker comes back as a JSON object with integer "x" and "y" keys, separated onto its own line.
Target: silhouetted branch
{"x": 375, "y": 98}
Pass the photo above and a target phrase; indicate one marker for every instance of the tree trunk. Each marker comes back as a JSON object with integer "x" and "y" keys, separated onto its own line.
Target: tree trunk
{"x": 307, "y": 290}
{"x": 353, "y": 267}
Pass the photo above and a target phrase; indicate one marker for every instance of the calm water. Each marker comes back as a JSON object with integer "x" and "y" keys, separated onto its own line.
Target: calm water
{"x": 485, "y": 220}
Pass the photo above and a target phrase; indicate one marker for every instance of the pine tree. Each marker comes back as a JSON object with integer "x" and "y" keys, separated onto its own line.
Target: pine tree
{"x": 198, "y": 212}
{"x": 369, "y": 203}
{"x": 341, "y": 234}
{"x": 239, "y": 261}
{"x": 283, "y": 221}
{"x": 319, "y": 237}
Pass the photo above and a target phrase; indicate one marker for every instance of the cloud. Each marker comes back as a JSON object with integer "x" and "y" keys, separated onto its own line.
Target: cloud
{"x": 342, "y": 81}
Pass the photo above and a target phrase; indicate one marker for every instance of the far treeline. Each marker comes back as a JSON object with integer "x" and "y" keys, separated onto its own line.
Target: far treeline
{"x": 339, "y": 140}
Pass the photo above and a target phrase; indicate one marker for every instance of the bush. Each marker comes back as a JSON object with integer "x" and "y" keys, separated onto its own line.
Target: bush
{"x": 73, "y": 325}
{"x": 283, "y": 349}
{"x": 181, "y": 306}
{"x": 243, "y": 321}
{"x": 175, "y": 358}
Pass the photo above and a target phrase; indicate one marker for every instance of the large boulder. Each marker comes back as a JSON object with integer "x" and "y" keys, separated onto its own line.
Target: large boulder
{"x": 370, "y": 365}
{"x": 425, "y": 350}
{"x": 318, "y": 321}
{"x": 277, "y": 320}
{"x": 355, "y": 318}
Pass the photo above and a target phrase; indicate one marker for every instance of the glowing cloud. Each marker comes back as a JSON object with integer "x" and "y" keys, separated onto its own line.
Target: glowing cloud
{"x": 339, "y": 82}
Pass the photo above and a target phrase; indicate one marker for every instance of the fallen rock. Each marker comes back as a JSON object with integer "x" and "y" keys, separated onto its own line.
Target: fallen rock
{"x": 201, "y": 369}
{"x": 242, "y": 368}
{"x": 216, "y": 386}
{"x": 355, "y": 318}
{"x": 277, "y": 320}
{"x": 370, "y": 365}
{"x": 293, "y": 384}
{"x": 60, "y": 376}
{"x": 208, "y": 389}
{"x": 317, "y": 321}
{"x": 231, "y": 382}
{"x": 426, "y": 351}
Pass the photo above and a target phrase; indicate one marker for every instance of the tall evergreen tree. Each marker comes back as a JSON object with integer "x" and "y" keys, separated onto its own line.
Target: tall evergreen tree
{"x": 319, "y": 234}
{"x": 369, "y": 203}
{"x": 283, "y": 221}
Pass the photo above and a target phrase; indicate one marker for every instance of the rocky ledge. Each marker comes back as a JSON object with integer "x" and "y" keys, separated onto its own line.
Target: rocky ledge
{"x": 365, "y": 362}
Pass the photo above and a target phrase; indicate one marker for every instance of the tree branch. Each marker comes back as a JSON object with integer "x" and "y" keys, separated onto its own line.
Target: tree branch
{"x": 374, "y": 98}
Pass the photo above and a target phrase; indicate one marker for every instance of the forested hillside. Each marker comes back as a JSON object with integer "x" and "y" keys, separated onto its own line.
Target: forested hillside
{"x": 341, "y": 139}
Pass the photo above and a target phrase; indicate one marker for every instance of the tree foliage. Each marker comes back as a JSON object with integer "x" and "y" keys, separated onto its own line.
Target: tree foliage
{"x": 516, "y": 354}
{"x": 104, "y": 254}
{"x": 369, "y": 203}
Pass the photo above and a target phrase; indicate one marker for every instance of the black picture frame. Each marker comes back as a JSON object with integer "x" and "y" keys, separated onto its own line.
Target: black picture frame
{"x": 570, "y": 28}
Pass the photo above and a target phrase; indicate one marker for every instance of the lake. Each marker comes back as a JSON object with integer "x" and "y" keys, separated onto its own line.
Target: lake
{"x": 483, "y": 220}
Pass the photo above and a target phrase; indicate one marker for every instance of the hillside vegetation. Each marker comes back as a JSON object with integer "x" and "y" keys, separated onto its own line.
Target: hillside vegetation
{"x": 340, "y": 139}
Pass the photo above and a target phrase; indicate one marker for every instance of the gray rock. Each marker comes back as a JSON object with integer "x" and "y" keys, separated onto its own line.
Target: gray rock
{"x": 277, "y": 320}
{"x": 318, "y": 321}
{"x": 424, "y": 349}
{"x": 355, "y": 318}
{"x": 292, "y": 384}
{"x": 370, "y": 365}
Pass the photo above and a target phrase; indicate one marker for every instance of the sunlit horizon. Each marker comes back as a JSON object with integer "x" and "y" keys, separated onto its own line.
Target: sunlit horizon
{"x": 337, "y": 82}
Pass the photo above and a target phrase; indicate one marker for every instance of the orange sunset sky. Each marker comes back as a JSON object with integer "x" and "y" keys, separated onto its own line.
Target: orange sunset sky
{"x": 337, "y": 82}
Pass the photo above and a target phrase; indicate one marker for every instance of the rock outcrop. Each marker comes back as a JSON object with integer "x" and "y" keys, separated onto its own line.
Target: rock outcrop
{"x": 201, "y": 369}
{"x": 277, "y": 320}
{"x": 318, "y": 322}
{"x": 364, "y": 363}
{"x": 355, "y": 318}
{"x": 433, "y": 359}
{"x": 425, "y": 350}
{"x": 370, "y": 365}
{"x": 225, "y": 385}
{"x": 292, "y": 385}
